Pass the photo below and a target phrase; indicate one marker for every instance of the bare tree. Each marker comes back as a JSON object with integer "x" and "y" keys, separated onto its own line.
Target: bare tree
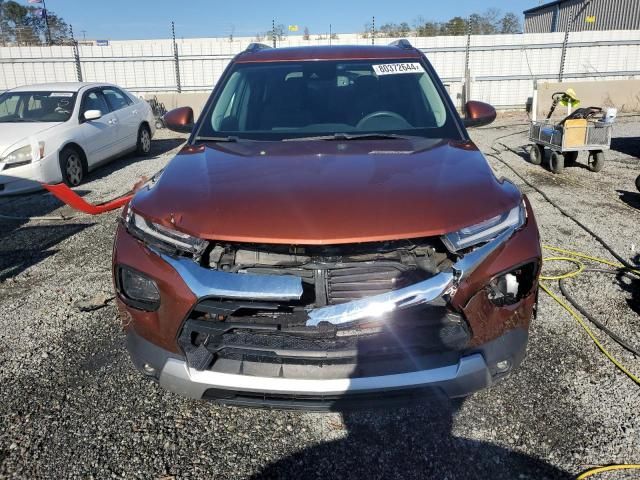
{"x": 305, "y": 36}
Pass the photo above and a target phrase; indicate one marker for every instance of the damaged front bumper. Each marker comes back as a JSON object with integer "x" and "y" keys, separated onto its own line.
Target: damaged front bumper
{"x": 447, "y": 352}
{"x": 475, "y": 370}
{"x": 211, "y": 283}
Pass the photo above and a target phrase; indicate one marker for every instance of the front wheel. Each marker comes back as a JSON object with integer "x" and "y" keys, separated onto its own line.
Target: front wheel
{"x": 536, "y": 154}
{"x": 72, "y": 167}
{"x": 143, "y": 147}
{"x": 596, "y": 160}
{"x": 556, "y": 163}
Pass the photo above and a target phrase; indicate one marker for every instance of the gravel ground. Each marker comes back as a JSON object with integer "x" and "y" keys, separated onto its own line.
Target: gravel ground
{"x": 71, "y": 406}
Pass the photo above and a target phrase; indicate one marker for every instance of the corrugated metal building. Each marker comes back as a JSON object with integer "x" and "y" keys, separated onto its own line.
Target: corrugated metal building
{"x": 579, "y": 15}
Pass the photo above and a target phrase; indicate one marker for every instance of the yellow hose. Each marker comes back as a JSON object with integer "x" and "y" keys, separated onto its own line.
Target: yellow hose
{"x": 597, "y": 470}
{"x": 573, "y": 257}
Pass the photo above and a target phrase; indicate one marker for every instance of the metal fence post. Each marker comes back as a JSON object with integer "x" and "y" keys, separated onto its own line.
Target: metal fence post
{"x": 373, "y": 30}
{"x": 273, "y": 32}
{"x": 467, "y": 74}
{"x": 176, "y": 59}
{"x": 564, "y": 55}
{"x": 76, "y": 55}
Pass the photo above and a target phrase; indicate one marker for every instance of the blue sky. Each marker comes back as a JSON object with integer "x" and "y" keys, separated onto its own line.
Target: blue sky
{"x": 131, "y": 19}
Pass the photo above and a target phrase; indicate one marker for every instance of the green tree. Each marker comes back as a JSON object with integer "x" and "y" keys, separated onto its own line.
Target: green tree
{"x": 510, "y": 23}
{"x": 25, "y": 25}
{"x": 455, "y": 26}
{"x": 424, "y": 28}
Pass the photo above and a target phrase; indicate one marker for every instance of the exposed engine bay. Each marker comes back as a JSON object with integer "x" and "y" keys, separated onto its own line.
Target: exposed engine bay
{"x": 337, "y": 274}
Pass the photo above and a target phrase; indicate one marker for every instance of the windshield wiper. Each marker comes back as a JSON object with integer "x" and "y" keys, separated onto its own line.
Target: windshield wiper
{"x": 217, "y": 139}
{"x": 348, "y": 136}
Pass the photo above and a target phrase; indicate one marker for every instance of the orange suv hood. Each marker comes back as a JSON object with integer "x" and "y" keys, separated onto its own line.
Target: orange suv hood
{"x": 326, "y": 192}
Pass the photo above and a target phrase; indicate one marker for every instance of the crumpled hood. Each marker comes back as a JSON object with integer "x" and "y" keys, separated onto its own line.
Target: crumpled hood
{"x": 17, "y": 134}
{"x": 326, "y": 192}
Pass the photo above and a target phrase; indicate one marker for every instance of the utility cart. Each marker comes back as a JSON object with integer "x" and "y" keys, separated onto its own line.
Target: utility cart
{"x": 585, "y": 129}
{"x": 567, "y": 139}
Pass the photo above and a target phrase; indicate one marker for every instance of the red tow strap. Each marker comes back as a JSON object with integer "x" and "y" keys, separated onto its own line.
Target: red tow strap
{"x": 71, "y": 198}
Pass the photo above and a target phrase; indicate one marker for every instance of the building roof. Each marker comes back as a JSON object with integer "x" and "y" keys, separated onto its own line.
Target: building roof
{"x": 543, "y": 7}
{"x": 338, "y": 52}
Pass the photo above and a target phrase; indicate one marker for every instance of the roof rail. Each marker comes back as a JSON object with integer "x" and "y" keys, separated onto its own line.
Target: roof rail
{"x": 254, "y": 47}
{"x": 402, "y": 43}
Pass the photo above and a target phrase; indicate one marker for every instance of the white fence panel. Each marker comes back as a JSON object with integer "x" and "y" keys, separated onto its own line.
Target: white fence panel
{"x": 502, "y": 68}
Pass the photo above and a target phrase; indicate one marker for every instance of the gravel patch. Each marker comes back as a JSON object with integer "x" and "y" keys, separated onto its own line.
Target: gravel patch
{"x": 71, "y": 405}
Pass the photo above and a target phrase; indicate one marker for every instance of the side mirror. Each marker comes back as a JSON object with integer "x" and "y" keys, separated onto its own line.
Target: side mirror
{"x": 92, "y": 115}
{"x": 179, "y": 119}
{"x": 478, "y": 114}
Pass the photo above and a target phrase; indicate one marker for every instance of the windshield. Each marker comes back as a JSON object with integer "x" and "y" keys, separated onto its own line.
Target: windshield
{"x": 278, "y": 100}
{"x": 36, "y": 106}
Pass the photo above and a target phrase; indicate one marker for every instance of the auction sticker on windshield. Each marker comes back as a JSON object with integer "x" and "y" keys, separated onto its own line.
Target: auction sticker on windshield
{"x": 397, "y": 68}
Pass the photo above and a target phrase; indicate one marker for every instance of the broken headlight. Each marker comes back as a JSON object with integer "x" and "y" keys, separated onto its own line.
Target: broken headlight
{"x": 486, "y": 230}
{"x": 163, "y": 237}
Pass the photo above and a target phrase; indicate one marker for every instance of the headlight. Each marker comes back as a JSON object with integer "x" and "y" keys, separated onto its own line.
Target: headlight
{"x": 22, "y": 156}
{"x": 487, "y": 230}
{"x": 163, "y": 237}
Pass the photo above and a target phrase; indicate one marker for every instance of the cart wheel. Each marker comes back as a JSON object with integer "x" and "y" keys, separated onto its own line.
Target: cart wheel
{"x": 570, "y": 158}
{"x": 536, "y": 154}
{"x": 556, "y": 162}
{"x": 596, "y": 160}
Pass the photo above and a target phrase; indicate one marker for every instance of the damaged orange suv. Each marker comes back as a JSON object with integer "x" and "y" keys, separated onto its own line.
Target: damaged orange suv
{"x": 329, "y": 233}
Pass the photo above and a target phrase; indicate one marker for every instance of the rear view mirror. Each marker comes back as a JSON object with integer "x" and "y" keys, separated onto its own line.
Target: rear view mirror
{"x": 179, "y": 119}
{"x": 478, "y": 114}
{"x": 92, "y": 115}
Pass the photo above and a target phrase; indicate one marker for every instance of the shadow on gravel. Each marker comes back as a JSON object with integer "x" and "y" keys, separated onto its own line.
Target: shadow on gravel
{"x": 413, "y": 442}
{"x": 630, "y": 198}
{"x": 158, "y": 147}
{"x": 631, "y": 284}
{"x": 626, "y": 145}
{"x": 21, "y": 248}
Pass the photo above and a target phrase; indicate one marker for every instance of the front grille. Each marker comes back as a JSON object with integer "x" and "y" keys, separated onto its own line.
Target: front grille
{"x": 351, "y": 283}
{"x": 340, "y": 283}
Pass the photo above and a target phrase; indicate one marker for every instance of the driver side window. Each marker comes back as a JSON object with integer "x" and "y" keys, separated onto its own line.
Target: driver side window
{"x": 94, "y": 101}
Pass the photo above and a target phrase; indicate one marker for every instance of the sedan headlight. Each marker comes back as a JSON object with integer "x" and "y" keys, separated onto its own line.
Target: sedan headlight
{"x": 486, "y": 230}
{"x": 163, "y": 237}
{"x": 22, "y": 156}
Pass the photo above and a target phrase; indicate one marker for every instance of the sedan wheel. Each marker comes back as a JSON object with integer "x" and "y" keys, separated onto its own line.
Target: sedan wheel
{"x": 72, "y": 167}
{"x": 144, "y": 141}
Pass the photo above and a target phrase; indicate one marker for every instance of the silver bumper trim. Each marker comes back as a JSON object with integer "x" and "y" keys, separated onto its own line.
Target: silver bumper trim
{"x": 469, "y": 374}
{"x": 421, "y": 293}
{"x": 212, "y": 283}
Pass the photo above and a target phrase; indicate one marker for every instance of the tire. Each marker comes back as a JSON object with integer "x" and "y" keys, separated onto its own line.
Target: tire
{"x": 596, "y": 160}
{"x": 570, "y": 158}
{"x": 556, "y": 162}
{"x": 72, "y": 166}
{"x": 143, "y": 146}
{"x": 536, "y": 154}
{"x": 638, "y": 183}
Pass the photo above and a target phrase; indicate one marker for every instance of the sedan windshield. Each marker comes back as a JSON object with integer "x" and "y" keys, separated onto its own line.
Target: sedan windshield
{"x": 18, "y": 107}
{"x": 288, "y": 100}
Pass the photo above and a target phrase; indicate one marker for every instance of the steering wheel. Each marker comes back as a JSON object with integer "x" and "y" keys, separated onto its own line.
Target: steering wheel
{"x": 381, "y": 119}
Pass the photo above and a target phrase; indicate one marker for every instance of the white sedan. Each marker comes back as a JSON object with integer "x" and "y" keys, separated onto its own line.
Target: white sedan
{"x": 52, "y": 133}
